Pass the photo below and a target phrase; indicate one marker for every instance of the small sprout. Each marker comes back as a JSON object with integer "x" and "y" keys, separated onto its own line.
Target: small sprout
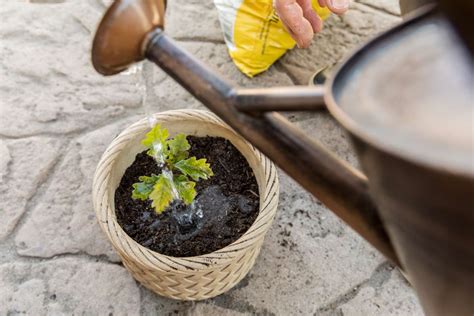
{"x": 173, "y": 156}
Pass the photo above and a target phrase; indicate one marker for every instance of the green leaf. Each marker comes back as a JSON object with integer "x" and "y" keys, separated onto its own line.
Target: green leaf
{"x": 156, "y": 137}
{"x": 185, "y": 188}
{"x": 162, "y": 194}
{"x": 196, "y": 169}
{"x": 141, "y": 190}
{"x": 178, "y": 148}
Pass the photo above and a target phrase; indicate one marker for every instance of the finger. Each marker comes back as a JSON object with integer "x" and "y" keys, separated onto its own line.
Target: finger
{"x": 301, "y": 32}
{"x": 302, "y": 40}
{"x": 336, "y": 6}
{"x": 291, "y": 15}
{"x": 311, "y": 15}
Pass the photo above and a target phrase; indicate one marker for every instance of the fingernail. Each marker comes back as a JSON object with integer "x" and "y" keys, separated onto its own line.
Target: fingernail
{"x": 339, "y": 4}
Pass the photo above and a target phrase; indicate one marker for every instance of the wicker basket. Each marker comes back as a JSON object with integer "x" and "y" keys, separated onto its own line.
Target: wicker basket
{"x": 186, "y": 278}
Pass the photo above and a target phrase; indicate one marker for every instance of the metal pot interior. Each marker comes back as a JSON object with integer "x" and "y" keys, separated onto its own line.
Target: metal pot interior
{"x": 410, "y": 93}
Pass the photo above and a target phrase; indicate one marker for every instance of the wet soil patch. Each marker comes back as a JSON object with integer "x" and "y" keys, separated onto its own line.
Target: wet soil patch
{"x": 225, "y": 207}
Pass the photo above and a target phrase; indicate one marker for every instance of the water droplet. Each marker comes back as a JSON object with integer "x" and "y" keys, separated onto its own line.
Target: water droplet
{"x": 168, "y": 174}
{"x": 151, "y": 120}
{"x": 158, "y": 153}
{"x": 132, "y": 70}
{"x": 200, "y": 213}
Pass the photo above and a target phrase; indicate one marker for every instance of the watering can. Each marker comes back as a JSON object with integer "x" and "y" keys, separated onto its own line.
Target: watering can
{"x": 406, "y": 99}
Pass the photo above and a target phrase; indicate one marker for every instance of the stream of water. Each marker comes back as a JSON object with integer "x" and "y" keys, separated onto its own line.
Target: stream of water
{"x": 192, "y": 215}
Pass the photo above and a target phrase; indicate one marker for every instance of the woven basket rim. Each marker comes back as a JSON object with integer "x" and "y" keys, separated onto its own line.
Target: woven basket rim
{"x": 201, "y": 262}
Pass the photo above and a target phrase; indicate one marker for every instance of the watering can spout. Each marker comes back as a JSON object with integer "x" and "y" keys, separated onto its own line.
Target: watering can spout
{"x": 120, "y": 39}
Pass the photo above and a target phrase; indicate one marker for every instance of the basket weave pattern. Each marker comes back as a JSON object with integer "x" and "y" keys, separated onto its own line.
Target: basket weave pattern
{"x": 186, "y": 278}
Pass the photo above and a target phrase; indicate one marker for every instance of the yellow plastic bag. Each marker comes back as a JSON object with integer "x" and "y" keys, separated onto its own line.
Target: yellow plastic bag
{"x": 254, "y": 34}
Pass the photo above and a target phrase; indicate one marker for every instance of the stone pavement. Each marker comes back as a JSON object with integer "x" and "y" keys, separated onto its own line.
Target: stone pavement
{"x": 56, "y": 118}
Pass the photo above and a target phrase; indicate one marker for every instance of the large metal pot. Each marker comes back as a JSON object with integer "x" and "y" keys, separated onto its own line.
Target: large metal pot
{"x": 406, "y": 100}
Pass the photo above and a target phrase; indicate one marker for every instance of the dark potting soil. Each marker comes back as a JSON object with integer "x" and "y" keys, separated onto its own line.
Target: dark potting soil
{"x": 225, "y": 207}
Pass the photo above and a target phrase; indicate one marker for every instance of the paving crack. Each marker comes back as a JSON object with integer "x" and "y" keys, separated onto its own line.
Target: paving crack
{"x": 227, "y": 301}
{"x": 6, "y": 176}
{"x": 41, "y": 188}
{"x": 377, "y": 279}
{"x": 75, "y": 133}
{"x": 191, "y": 310}
{"x": 46, "y": 1}
{"x": 82, "y": 25}
{"x": 78, "y": 254}
{"x": 98, "y": 4}
{"x": 281, "y": 67}
{"x": 105, "y": 123}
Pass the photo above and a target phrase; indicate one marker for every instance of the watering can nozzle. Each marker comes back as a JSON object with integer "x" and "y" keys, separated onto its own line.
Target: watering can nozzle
{"x": 122, "y": 34}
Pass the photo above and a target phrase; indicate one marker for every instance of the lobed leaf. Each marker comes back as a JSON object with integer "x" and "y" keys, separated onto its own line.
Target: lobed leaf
{"x": 142, "y": 190}
{"x": 185, "y": 188}
{"x": 178, "y": 148}
{"x": 162, "y": 194}
{"x": 156, "y": 137}
{"x": 196, "y": 169}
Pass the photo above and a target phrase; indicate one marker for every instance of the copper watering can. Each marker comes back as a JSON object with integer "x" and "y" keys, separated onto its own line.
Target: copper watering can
{"x": 408, "y": 118}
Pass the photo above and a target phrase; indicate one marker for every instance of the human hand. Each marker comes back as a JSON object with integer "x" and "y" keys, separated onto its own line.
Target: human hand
{"x": 301, "y": 21}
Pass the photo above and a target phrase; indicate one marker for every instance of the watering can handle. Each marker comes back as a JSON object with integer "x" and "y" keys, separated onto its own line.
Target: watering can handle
{"x": 131, "y": 30}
